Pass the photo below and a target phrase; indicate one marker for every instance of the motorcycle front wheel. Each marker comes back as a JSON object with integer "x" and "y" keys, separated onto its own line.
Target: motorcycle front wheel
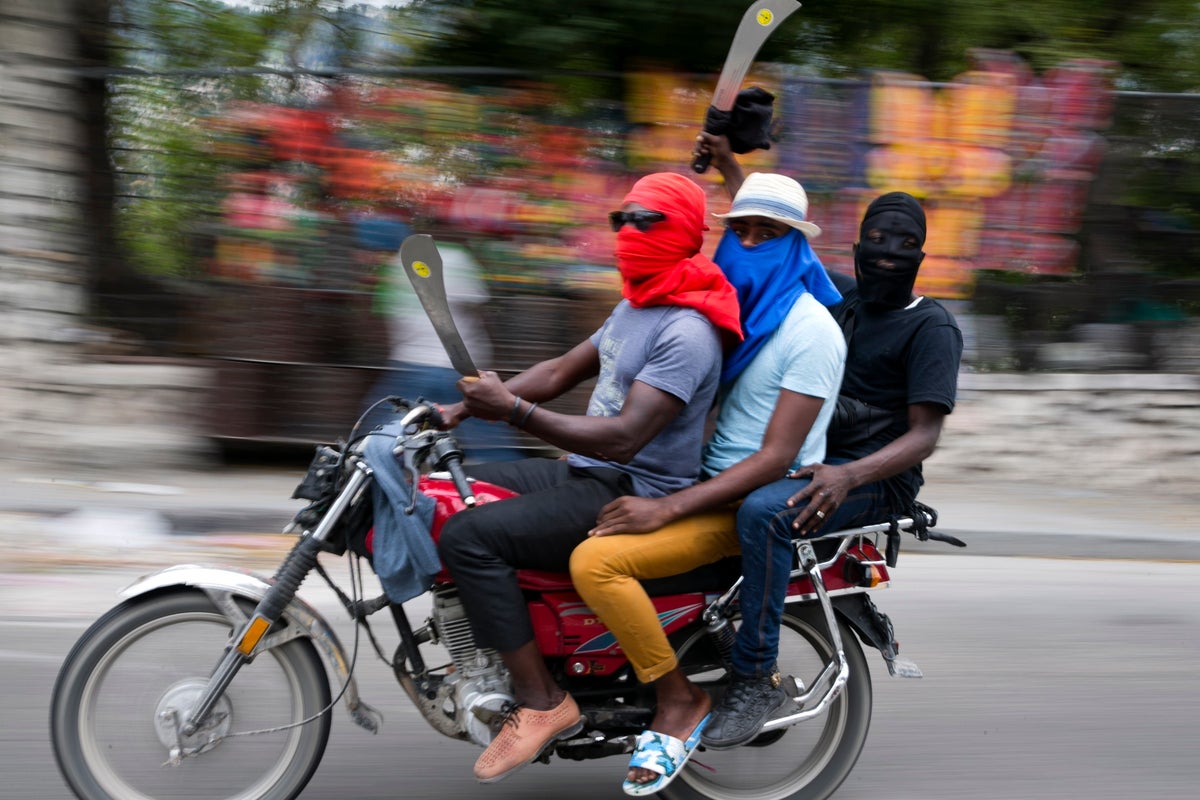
{"x": 135, "y": 672}
{"x": 807, "y": 761}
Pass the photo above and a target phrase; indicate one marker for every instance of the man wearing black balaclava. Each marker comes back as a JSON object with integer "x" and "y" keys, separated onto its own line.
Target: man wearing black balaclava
{"x": 888, "y": 253}
{"x": 900, "y": 383}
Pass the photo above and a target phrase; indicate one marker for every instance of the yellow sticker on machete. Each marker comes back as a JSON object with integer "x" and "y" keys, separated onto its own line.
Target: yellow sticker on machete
{"x": 765, "y": 16}
{"x": 421, "y": 268}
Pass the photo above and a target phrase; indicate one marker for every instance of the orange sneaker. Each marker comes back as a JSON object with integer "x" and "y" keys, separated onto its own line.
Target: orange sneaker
{"x": 523, "y": 735}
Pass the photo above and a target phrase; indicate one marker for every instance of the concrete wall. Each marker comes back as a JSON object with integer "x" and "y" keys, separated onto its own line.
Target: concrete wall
{"x": 40, "y": 244}
{"x": 40, "y": 266}
{"x": 57, "y": 404}
{"x": 1114, "y": 433}
{"x": 1108, "y": 432}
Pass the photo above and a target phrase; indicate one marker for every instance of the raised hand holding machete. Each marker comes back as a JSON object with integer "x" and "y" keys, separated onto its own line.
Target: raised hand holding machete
{"x": 760, "y": 21}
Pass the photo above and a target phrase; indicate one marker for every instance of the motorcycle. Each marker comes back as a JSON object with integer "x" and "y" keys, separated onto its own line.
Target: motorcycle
{"x": 139, "y": 713}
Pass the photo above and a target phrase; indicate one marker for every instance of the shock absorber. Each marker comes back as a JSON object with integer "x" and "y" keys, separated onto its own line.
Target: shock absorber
{"x": 721, "y": 634}
{"x": 291, "y": 573}
{"x": 716, "y": 620}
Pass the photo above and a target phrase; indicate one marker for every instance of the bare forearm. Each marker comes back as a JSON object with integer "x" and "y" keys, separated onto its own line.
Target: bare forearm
{"x": 717, "y": 147}
{"x": 554, "y": 377}
{"x": 727, "y": 486}
{"x": 605, "y": 438}
{"x": 731, "y": 172}
{"x": 539, "y": 383}
{"x": 905, "y": 452}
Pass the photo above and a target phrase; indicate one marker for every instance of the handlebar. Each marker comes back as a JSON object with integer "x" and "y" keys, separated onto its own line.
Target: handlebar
{"x": 417, "y": 412}
{"x": 438, "y": 446}
{"x": 449, "y": 457}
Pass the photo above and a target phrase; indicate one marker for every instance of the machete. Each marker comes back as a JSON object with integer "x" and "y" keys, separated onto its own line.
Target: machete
{"x": 759, "y": 21}
{"x": 423, "y": 265}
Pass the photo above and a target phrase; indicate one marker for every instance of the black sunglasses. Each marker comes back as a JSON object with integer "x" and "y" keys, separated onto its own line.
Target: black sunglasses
{"x": 642, "y": 220}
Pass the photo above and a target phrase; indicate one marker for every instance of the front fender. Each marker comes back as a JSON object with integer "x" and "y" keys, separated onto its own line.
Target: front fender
{"x": 223, "y": 584}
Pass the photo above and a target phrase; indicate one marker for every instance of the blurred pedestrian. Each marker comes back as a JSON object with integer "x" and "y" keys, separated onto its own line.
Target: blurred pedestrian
{"x": 419, "y": 366}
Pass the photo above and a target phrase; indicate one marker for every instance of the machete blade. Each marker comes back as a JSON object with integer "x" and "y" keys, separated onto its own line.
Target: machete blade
{"x": 423, "y": 265}
{"x": 760, "y": 21}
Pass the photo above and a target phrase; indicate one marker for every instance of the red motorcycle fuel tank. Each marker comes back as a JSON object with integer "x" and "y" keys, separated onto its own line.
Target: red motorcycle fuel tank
{"x": 448, "y": 502}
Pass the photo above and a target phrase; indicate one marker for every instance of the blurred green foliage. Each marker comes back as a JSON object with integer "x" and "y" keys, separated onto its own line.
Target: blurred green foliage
{"x": 175, "y": 63}
{"x": 1155, "y": 41}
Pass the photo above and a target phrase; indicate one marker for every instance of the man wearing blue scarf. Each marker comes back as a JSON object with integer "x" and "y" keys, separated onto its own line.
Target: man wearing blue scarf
{"x": 765, "y": 254}
{"x": 778, "y": 393}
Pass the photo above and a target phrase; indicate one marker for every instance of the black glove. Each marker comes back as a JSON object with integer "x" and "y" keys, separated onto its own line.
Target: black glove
{"x": 747, "y": 124}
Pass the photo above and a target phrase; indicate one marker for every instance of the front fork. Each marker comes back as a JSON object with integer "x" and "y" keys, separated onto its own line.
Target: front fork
{"x": 295, "y": 568}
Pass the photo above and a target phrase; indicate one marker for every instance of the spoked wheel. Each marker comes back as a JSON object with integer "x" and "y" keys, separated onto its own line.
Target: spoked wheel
{"x": 807, "y": 761}
{"x": 127, "y": 683}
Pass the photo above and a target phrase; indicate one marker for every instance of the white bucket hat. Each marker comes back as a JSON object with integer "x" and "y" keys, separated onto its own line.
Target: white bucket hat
{"x": 778, "y": 197}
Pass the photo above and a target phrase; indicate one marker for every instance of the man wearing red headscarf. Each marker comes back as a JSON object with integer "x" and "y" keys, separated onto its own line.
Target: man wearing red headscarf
{"x": 657, "y": 363}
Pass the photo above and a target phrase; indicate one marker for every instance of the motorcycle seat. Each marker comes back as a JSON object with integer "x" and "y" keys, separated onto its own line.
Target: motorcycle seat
{"x": 715, "y": 577}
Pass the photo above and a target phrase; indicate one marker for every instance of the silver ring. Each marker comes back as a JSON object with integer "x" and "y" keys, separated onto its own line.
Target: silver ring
{"x": 820, "y": 514}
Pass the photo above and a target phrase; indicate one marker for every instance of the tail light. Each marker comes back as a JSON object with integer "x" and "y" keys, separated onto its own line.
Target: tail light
{"x": 860, "y": 573}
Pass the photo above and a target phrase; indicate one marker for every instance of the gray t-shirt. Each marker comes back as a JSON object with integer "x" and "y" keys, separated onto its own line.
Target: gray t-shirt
{"x": 676, "y": 350}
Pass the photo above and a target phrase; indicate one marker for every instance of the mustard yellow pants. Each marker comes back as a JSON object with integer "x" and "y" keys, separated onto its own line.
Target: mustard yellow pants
{"x": 606, "y": 571}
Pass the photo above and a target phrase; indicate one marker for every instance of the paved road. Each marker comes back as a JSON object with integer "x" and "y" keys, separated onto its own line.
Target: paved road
{"x": 1045, "y": 678}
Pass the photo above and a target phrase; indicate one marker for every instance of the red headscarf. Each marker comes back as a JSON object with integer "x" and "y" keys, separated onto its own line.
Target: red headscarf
{"x": 663, "y": 266}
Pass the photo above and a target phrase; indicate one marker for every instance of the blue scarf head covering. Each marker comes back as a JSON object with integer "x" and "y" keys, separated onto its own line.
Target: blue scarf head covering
{"x": 768, "y": 278}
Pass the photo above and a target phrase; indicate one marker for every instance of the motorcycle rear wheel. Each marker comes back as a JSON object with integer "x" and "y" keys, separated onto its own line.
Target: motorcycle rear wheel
{"x": 807, "y": 761}
{"x": 147, "y": 659}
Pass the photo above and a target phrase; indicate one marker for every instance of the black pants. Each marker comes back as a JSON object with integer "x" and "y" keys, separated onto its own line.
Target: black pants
{"x": 483, "y": 547}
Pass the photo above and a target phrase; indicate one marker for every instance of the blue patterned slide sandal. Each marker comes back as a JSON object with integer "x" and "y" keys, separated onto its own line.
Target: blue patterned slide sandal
{"x": 663, "y": 754}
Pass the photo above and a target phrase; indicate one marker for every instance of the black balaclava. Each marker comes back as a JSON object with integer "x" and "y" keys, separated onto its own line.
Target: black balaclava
{"x": 898, "y": 216}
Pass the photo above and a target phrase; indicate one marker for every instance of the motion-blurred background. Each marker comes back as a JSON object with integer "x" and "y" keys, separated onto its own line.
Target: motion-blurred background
{"x": 200, "y": 201}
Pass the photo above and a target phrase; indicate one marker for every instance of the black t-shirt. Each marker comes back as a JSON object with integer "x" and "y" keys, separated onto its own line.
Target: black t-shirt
{"x": 895, "y": 358}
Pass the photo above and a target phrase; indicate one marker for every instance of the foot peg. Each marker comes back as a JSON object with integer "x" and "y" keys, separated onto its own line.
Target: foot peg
{"x": 901, "y": 667}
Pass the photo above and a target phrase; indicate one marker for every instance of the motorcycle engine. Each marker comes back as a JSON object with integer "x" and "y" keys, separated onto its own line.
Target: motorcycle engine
{"x": 478, "y": 691}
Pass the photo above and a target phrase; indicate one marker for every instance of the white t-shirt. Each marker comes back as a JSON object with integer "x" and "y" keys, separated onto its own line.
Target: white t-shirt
{"x": 806, "y": 355}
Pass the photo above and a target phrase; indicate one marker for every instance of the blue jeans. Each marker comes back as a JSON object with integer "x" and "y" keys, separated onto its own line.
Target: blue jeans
{"x": 480, "y": 440}
{"x": 764, "y": 524}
